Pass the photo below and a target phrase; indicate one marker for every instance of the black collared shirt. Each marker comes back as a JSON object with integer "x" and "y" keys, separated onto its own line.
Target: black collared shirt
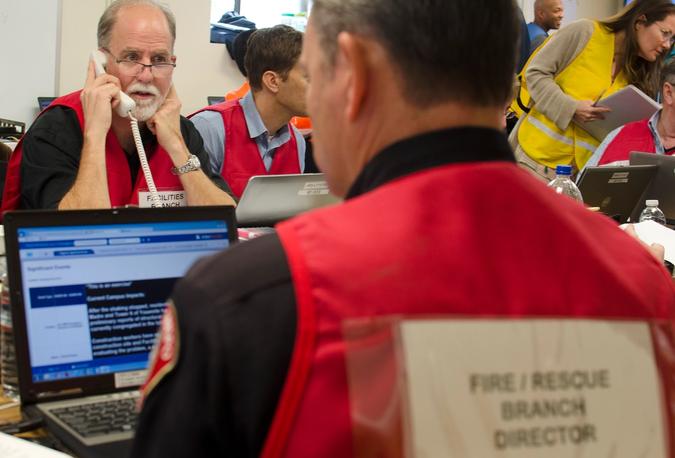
{"x": 51, "y": 157}
{"x": 237, "y": 317}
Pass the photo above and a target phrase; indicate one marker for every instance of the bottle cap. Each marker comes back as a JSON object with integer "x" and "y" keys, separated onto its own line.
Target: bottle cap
{"x": 652, "y": 203}
{"x": 563, "y": 170}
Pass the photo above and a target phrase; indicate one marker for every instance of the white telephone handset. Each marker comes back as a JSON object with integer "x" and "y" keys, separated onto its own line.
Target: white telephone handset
{"x": 124, "y": 109}
{"x": 126, "y": 104}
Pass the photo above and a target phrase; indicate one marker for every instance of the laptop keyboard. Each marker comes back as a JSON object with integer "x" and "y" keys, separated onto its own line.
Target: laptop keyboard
{"x": 94, "y": 419}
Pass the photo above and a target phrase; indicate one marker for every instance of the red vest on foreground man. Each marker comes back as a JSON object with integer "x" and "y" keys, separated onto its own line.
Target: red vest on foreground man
{"x": 242, "y": 158}
{"x": 120, "y": 189}
{"x": 438, "y": 220}
{"x": 338, "y": 275}
{"x": 252, "y": 349}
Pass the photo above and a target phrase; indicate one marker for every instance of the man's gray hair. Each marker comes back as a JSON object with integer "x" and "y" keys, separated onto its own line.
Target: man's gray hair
{"x": 459, "y": 50}
{"x": 109, "y": 17}
{"x": 668, "y": 73}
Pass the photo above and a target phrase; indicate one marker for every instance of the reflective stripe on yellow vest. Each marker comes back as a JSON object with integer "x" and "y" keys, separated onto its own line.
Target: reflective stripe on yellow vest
{"x": 588, "y": 77}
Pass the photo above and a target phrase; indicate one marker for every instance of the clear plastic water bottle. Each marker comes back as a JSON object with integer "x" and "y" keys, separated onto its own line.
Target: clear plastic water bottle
{"x": 652, "y": 212}
{"x": 563, "y": 184}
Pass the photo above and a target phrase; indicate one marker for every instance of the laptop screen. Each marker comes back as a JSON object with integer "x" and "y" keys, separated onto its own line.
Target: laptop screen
{"x": 215, "y": 99}
{"x": 93, "y": 294}
{"x": 44, "y": 102}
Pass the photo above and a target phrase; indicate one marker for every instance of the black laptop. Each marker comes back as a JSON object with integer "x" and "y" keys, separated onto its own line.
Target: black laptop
{"x": 616, "y": 190}
{"x": 661, "y": 188}
{"x": 88, "y": 289}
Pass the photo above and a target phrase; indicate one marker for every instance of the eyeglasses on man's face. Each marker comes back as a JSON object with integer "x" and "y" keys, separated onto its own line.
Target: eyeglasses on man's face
{"x": 129, "y": 64}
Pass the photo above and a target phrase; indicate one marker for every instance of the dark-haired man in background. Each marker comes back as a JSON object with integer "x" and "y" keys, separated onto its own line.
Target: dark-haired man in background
{"x": 251, "y": 356}
{"x": 252, "y": 135}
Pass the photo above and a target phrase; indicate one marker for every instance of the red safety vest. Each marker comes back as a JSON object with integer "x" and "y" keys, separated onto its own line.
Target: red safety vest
{"x": 120, "y": 188}
{"x": 242, "y": 157}
{"x": 431, "y": 243}
{"x": 634, "y": 136}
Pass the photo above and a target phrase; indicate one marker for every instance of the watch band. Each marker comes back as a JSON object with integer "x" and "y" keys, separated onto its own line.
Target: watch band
{"x": 191, "y": 165}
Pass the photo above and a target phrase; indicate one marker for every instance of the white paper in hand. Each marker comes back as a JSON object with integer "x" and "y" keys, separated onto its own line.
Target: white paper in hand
{"x": 652, "y": 232}
{"x": 628, "y": 105}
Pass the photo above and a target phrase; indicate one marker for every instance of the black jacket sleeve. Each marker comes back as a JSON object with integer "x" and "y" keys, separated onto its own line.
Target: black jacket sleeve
{"x": 51, "y": 157}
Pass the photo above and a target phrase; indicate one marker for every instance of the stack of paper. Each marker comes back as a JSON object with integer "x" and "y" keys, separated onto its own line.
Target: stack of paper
{"x": 13, "y": 447}
{"x": 652, "y": 232}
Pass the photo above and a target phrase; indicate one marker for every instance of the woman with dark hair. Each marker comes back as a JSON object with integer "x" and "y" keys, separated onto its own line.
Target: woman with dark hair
{"x": 582, "y": 63}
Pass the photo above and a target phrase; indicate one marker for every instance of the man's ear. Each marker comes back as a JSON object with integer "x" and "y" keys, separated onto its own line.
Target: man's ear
{"x": 667, "y": 93}
{"x": 271, "y": 81}
{"x": 353, "y": 53}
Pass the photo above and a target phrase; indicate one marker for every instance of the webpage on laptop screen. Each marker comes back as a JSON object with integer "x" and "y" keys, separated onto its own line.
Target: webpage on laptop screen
{"x": 94, "y": 295}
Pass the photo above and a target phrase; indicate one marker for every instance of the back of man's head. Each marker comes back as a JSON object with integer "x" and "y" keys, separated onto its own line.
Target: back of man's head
{"x": 444, "y": 50}
{"x": 275, "y": 49}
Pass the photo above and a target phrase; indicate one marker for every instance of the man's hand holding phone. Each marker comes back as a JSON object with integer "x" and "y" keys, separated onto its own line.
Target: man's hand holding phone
{"x": 99, "y": 96}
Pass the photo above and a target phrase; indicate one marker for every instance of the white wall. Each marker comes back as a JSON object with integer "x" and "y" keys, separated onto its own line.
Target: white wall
{"x": 28, "y": 55}
{"x": 577, "y": 9}
{"x": 203, "y": 68}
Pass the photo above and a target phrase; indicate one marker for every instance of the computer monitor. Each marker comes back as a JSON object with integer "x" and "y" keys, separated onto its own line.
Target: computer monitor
{"x": 44, "y": 102}
{"x": 215, "y": 99}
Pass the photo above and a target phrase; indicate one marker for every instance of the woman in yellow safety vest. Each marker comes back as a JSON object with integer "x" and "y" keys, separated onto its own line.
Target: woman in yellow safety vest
{"x": 582, "y": 63}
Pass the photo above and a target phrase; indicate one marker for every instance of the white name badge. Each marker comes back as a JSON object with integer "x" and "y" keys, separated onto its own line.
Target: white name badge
{"x": 531, "y": 388}
{"x": 168, "y": 198}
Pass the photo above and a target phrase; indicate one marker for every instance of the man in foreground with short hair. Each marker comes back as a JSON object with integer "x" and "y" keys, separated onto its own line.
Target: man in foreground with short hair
{"x": 653, "y": 135}
{"x": 251, "y": 353}
{"x": 80, "y": 153}
{"x": 253, "y": 135}
{"x": 548, "y": 15}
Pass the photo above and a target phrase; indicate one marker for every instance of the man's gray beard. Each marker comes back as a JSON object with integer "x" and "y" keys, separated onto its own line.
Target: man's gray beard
{"x": 143, "y": 113}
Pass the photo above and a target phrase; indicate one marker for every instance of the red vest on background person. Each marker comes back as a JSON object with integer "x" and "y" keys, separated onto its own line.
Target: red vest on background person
{"x": 634, "y": 136}
{"x": 242, "y": 157}
{"x": 301, "y": 123}
{"x": 439, "y": 257}
{"x": 120, "y": 188}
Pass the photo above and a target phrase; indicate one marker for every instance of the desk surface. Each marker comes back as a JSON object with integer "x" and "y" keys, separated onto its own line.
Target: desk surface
{"x": 8, "y": 414}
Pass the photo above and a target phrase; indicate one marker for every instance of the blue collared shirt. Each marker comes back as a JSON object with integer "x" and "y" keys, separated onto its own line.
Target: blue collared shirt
{"x": 535, "y": 31}
{"x": 210, "y": 126}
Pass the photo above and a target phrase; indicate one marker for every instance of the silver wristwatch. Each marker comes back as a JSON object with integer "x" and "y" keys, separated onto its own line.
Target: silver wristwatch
{"x": 191, "y": 165}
